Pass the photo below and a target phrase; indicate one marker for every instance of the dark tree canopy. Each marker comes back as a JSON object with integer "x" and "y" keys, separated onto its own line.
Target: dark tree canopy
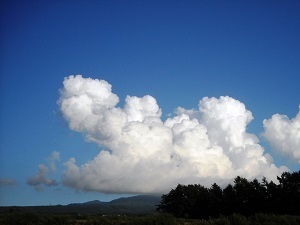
{"x": 243, "y": 197}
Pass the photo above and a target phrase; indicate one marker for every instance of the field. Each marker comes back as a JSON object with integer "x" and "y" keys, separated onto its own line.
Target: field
{"x": 155, "y": 219}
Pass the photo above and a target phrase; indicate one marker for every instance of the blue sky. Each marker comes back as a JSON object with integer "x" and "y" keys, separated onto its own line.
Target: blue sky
{"x": 176, "y": 51}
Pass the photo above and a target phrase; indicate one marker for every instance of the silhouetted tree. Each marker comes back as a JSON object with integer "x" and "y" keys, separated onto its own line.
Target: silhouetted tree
{"x": 242, "y": 190}
{"x": 200, "y": 207}
{"x": 257, "y": 198}
{"x": 229, "y": 200}
{"x": 244, "y": 197}
{"x": 189, "y": 201}
{"x": 289, "y": 186}
{"x": 215, "y": 200}
{"x": 174, "y": 202}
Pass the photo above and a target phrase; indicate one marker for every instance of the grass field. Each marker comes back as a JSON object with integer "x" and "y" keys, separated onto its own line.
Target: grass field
{"x": 20, "y": 218}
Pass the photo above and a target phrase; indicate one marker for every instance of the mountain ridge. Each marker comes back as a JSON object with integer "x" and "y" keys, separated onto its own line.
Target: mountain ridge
{"x": 139, "y": 204}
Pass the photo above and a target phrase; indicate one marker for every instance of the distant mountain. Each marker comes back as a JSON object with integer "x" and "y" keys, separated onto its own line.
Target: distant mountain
{"x": 95, "y": 202}
{"x": 137, "y": 204}
{"x": 139, "y": 199}
{"x": 141, "y": 204}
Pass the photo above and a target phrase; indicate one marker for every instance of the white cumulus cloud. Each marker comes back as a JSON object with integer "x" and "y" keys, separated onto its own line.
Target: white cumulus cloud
{"x": 143, "y": 154}
{"x": 284, "y": 134}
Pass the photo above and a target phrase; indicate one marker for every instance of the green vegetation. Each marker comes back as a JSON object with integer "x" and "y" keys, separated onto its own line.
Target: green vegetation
{"x": 237, "y": 219}
{"x": 50, "y": 219}
{"x": 19, "y": 218}
{"x": 157, "y": 219}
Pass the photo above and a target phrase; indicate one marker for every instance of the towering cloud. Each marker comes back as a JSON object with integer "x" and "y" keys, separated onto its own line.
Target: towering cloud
{"x": 284, "y": 134}
{"x": 143, "y": 154}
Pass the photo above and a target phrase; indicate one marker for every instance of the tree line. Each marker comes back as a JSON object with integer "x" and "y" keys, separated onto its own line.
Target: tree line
{"x": 243, "y": 197}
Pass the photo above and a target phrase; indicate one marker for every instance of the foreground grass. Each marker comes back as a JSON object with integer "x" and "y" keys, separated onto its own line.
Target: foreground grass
{"x": 236, "y": 219}
{"x": 160, "y": 219}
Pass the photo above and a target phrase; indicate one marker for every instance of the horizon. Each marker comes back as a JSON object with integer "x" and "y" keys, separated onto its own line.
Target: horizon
{"x": 88, "y": 201}
{"x": 102, "y": 100}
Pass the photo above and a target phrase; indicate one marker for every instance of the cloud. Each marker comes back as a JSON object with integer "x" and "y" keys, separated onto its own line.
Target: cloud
{"x": 143, "y": 154}
{"x": 284, "y": 134}
{"x": 41, "y": 178}
{"x": 7, "y": 182}
{"x": 54, "y": 157}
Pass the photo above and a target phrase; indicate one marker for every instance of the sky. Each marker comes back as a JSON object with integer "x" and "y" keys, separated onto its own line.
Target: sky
{"x": 108, "y": 99}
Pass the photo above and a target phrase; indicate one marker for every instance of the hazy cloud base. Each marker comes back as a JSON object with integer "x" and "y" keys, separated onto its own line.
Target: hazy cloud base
{"x": 143, "y": 154}
{"x": 7, "y": 182}
{"x": 41, "y": 178}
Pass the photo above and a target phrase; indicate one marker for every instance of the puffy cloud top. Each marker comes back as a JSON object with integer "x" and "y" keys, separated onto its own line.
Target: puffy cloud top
{"x": 148, "y": 155}
{"x": 84, "y": 101}
{"x": 284, "y": 134}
